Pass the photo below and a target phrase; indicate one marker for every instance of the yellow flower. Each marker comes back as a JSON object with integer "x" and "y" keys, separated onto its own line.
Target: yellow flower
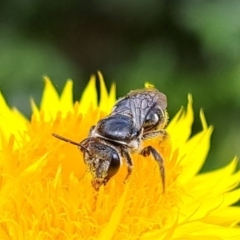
{"x": 45, "y": 192}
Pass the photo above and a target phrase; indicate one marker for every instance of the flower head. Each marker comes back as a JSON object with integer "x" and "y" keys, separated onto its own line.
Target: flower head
{"x": 46, "y": 193}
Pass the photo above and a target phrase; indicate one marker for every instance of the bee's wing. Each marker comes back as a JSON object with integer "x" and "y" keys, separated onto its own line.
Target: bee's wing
{"x": 139, "y": 103}
{"x": 143, "y": 101}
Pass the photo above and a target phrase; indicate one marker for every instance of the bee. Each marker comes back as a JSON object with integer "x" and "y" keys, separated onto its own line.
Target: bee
{"x": 138, "y": 116}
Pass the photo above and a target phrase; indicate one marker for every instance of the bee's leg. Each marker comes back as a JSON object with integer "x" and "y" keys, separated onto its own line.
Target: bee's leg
{"x": 162, "y": 134}
{"x": 128, "y": 158}
{"x": 150, "y": 150}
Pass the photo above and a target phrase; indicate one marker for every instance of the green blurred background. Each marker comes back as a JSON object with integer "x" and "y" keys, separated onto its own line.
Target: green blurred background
{"x": 180, "y": 46}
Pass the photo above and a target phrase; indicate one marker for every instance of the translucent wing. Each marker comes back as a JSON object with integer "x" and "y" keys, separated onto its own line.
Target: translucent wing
{"x": 138, "y": 103}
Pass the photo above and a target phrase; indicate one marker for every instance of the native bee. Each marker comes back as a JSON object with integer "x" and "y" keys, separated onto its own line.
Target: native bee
{"x": 140, "y": 115}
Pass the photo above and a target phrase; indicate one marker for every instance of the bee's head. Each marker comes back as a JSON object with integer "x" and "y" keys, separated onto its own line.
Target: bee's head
{"x": 102, "y": 160}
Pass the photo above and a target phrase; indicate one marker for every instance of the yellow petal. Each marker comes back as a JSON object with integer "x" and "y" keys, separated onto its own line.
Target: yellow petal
{"x": 108, "y": 231}
{"x": 21, "y": 118}
{"x": 35, "y": 110}
{"x": 30, "y": 172}
{"x": 112, "y": 97}
{"x": 219, "y": 181}
{"x": 202, "y": 207}
{"x": 180, "y": 126}
{"x": 196, "y": 230}
{"x": 89, "y": 97}
{"x": 215, "y": 174}
{"x": 224, "y": 216}
{"x": 104, "y": 99}
{"x": 217, "y": 185}
{"x": 203, "y": 120}
{"x": 50, "y": 100}
{"x": 230, "y": 198}
{"x": 11, "y": 121}
{"x": 46, "y": 192}
{"x": 195, "y": 152}
{"x": 66, "y": 99}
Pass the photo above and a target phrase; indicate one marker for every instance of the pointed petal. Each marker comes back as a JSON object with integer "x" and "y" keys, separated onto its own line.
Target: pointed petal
{"x": 217, "y": 174}
{"x": 195, "y": 152}
{"x": 198, "y": 230}
{"x": 50, "y": 99}
{"x": 224, "y": 216}
{"x": 19, "y": 115}
{"x": 112, "y": 97}
{"x": 35, "y": 110}
{"x": 203, "y": 120}
{"x": 89, "y": 97}
{"x": 195, "y": 230}
{"x": 66, "y": 99}
{"x": 180, "y": 127}
{"x": 103, "y": 94}
{"x": 217, "y": 184}
{"x": 11, "y": 121}
{"x": 231, "y": 198}
{"x": 201, "y": 207}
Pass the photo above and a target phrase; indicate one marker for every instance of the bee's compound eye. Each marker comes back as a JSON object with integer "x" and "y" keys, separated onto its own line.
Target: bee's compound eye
{"x": 114, "y": 165}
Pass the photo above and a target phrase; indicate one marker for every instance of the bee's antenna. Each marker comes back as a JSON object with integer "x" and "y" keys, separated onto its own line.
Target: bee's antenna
{"x": 69, "y": 141}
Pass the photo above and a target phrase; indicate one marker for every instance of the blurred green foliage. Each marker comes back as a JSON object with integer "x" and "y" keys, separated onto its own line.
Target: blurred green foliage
{"x": 180, "y": 46}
